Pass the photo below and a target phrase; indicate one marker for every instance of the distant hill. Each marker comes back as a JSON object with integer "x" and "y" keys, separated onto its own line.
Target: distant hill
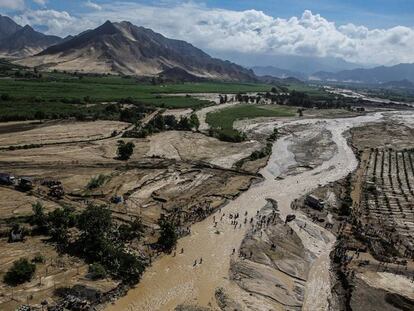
{"x": 277, "y": 72}
{"x": 375, "y": 75}
{"x": 402, "y": 84}
{"x": 17, "y": 41}
{"x": 25, "y": 42}
{"x": 306, "y": 65}
{"x": 124, "y": 48}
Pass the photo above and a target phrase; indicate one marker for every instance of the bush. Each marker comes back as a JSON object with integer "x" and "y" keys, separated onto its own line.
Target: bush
{"x": 97, "y": 271}
{"x": 96, "y": 182}
{"x": 39, "y": 258}
{"x": 168, "y": 236}
{"x": 125, "y": 150}
{"x": 38, "y": 218}
{"x": 22, "y": 271}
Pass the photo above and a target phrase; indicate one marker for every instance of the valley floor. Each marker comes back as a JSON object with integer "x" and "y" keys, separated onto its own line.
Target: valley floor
{"x": 236, "y": 250}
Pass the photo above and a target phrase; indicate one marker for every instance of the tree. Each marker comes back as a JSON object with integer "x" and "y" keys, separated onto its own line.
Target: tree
{"x": 39, "y": 218}
{"x": 128, "y": 232}
{"x": 125, "y": 150}
{"x": 40, "y": 115}
{"x": 194, "y": 122}
{"x": 95, "y": 221}
{"x": 168, "y": 236}
{"x": 21, "y": 271}
{"x": 60, "y": 220}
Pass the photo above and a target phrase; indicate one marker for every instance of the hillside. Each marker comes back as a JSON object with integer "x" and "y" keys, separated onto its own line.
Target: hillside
{"x": 25, "y": 42}
{"x": 278, "y": 72}
{"x": 7, "y": 27}
{"x": 17, "y": 41}
{"x": 375, "y": 75}
{"x": 123, "y": 48}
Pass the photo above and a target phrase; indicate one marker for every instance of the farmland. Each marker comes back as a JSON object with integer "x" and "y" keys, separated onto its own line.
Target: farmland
{"x": 223, "y": 119}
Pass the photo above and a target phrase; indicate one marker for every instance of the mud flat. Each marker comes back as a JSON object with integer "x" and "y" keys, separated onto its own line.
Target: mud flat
{"x": 195, "y": 146}
{"x": 62, "y": 132}
{"x": 187, "y": 189}
{"x": 182, "y": 280}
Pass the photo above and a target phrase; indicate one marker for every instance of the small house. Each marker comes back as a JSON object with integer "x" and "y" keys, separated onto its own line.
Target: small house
{"x": 314, "y": 202}
{"x": 7, "y": 179}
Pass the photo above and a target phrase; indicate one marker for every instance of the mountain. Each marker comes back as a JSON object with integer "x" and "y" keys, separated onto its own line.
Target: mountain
{"x": 177, "y": 74}
{"x": 277, "y": 72}
{"x": 306, "y": 65}
{"x": 127, "y": 49}
{"x": 7, "y": 27}
{"x": 402, "y": 84}
{"x": 375, "y": 75}
{"x": 18, "y": 41}
{"x": 26, "y": 41}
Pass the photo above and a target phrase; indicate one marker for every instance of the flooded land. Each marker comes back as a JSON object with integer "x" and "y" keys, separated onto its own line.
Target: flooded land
{"x": 249, "y": 236}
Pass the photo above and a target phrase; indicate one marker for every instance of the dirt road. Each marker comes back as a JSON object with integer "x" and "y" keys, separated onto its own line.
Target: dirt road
{"x": 182, "y": 279}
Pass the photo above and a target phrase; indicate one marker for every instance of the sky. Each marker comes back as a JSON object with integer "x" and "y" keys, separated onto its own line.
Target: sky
{"x": 364, "y": 32}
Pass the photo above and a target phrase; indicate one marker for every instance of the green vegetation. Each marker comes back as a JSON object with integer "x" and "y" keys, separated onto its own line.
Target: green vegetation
{"x": 168, "y": 236}
{"x": 39, "y": 258}
{"x": 125, "y": 150}
{"x": 29, "y": 95}
{"x": 262, "y": 153}
{"x": 97, "y": 271}
{"x": 22, "y": 271}
{"x": 38, "y": 218}
{"x": 97, "y": 181}
{"x": 111, "y": 88}
{"x": 162, "y": 123}
{"x": 221, "y": 122}
{"x": 98, "y": 243}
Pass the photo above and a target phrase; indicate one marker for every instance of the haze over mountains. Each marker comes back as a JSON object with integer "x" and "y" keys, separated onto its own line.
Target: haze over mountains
{"x": 123, "y": 48}
{"x": 375, "y": 75}
{"x": 401, "y": 75}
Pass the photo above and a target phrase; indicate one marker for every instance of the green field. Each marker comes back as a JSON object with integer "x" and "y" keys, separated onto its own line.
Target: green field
{"x": 225, "y": 118}
{"x": 60, "y": 86}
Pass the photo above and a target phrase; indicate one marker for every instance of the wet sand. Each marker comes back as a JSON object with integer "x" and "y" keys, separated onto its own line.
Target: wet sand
{"x": 174, "y": 280}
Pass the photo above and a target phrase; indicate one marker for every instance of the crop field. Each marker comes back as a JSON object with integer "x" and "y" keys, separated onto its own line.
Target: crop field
{"x": 225, "y": 118}
{"x": 111, "y": 88}
{"x": 388, "y": 201}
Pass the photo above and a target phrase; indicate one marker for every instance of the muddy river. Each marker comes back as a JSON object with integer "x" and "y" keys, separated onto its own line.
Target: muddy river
{"x": 181, "y": 279}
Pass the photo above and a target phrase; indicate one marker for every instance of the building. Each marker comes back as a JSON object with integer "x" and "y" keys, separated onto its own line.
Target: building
{"x": 7, "y": 179}
{"x": 314, "y": 202}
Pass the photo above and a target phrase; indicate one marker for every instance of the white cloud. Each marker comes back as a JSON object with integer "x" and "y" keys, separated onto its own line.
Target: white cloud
{"x": 40, "y": 2}
{"x": 248, "y": 31}
{"x": 93, "y": 5}
{"x": 57, "y": 22}
{"x": 12, "y": 4}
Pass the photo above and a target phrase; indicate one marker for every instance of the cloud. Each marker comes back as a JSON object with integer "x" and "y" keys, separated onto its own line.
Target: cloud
{"x": 59, "y": 23}
{"x": 249, "y": 31}
{"x": 12, "y": 4}
{"x": 40, "y": 2}
{"x": 92, "y": 5}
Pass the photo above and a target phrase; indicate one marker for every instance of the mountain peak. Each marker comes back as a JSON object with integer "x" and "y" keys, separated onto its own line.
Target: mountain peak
{"x": 17, "y": 41}
{"x": 128, "y": 49}
{"x": 27, "y": 28}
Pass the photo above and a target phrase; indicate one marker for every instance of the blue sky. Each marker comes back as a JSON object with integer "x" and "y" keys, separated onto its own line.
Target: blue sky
{"x": 371, "y": 13}
{"x": 364, "y": 32}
